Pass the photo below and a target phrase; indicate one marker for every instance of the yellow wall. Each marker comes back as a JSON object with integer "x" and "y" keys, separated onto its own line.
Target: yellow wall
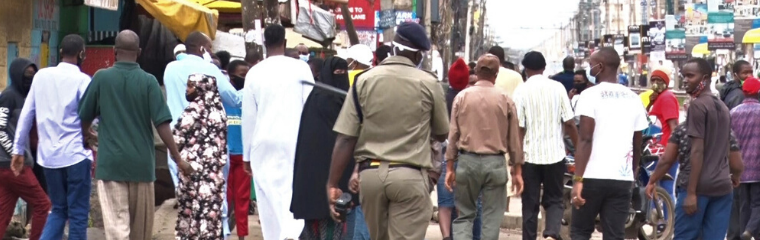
{"x": 15, "y": 26}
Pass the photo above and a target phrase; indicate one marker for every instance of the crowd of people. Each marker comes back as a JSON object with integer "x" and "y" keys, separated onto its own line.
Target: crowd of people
{"x": 352, "y": 148}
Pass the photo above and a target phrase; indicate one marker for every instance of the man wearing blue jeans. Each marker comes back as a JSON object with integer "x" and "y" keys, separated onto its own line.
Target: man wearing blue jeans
{"x": 53, "y": 100}
{"x": 704, "y": 206}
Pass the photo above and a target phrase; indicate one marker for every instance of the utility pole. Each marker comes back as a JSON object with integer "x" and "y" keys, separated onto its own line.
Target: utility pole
{"x": 607, "y": 15}
{"x": 427, "y": 64}
{"x": 353, "y": 37}
{"x": 272, "y": 8}
{"x": 388, "y": 34}
{"x": 251, "y": 13}
{"x": 467, "y": 32}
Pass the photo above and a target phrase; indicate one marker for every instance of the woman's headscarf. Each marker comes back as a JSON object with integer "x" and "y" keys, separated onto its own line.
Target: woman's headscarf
{"x": 201, "y": 131}
{"x": 315, "y": 144}
{"x": 327, "y": 73}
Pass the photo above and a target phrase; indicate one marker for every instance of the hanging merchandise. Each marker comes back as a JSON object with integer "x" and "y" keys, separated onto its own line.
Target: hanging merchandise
{"x": 315, "y": 23}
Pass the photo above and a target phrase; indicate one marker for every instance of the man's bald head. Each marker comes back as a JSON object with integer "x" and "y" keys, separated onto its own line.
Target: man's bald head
{"x": 127, "y": 46}
{"x": 127, "y": 40}
{"x": 609, "y": 57}
{"x": 604, "y": 64}
{"x": 197, "y": 40}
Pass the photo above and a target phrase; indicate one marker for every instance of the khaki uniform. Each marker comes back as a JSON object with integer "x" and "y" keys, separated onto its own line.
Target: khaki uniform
{"x": 402, "y": 106}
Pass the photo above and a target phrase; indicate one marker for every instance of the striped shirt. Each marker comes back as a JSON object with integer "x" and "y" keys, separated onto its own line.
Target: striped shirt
{"x": 542, "y": 106}
{"x": 745, "y": 122}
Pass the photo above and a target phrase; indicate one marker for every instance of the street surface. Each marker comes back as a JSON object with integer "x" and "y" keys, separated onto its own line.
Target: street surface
{"x": 166, "y": 219}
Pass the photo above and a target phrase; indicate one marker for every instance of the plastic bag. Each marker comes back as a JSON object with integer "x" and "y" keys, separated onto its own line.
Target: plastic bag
{"x": 315, "y": 23}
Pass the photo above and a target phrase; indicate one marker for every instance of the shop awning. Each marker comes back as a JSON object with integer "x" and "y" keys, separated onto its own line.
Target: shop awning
{"x": 700, "y": 49}
{"x": 182, "y": 17}
{"x": 752, "y": 36}
{"x": 221, "y": 6}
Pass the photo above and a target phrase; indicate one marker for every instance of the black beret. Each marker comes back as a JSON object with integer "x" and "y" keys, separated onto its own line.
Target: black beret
{"x": 415, "y": 33}
{"x": 534, "y": 61}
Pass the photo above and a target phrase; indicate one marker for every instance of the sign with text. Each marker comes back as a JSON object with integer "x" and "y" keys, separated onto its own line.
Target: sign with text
{"x": 675, "y": 44}
{"x": 720, "y": 31}
{"x": 362, "y": 14}
{"x": 112, "y": 5}
{"x": 46, "y": 15}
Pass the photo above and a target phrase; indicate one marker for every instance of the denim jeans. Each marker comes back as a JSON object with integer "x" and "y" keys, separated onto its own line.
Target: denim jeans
{"x": 446, "y": 199}
{"x": 710, "y": 221}
{"x": 69, "y": 190}
{"x": 356, "y": 227}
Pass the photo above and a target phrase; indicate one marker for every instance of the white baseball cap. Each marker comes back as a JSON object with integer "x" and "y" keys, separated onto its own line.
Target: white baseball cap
{"x": 361, "y": 53}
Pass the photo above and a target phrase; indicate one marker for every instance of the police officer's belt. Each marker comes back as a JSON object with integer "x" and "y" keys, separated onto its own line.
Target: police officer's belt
{"x": 373, "y": 164}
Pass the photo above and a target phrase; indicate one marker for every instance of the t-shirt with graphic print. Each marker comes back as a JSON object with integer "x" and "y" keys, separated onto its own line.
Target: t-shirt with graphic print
{"x": 617, "y": 113}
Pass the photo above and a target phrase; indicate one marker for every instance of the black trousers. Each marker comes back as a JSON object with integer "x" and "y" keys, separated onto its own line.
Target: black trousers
{"x": 551, "y": 176}
{"x": 611, "y": 200}
{"x": 735, "y": 226}
{"x": 750, "y": 208}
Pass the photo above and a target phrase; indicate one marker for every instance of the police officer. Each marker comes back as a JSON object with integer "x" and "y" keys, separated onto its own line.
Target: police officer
{"x": 386, "y": 123}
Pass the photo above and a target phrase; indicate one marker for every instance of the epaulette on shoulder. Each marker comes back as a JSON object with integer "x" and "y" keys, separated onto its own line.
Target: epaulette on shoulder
{"x": 431, "y": 73}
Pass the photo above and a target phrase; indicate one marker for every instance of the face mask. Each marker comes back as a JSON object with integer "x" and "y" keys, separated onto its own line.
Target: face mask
{"x": 658, "y": 87}
{"x": 26, "y": 82}
{"x": 237, "y": 82}
{"x": 304, "y": 57}
{"x": 579, "y": 87}
{"x": 353, "y": 66}
{"x": 591, "y": 77}
{"x": 181, "y": 56}
{"x": 698, "y": 90}
{"x": 419, "y": 65}
{"x": 206, "y": 55}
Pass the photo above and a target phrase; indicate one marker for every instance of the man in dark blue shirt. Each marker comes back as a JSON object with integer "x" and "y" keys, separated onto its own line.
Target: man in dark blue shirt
{"x": 566, "y": 77}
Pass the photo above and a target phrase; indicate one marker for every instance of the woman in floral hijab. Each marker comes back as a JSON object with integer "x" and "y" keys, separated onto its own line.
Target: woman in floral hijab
{"x": 201, "y": 135}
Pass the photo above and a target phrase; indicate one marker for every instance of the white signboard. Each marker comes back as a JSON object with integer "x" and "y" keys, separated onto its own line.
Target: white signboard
{"x": 112, "y": 5}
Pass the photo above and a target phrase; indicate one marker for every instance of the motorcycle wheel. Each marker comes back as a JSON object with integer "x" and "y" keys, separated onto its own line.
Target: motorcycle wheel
{"x": 668, "y": 206}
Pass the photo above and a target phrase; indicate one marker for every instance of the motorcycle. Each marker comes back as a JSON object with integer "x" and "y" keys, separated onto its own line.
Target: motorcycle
{"x": 647, "y": 218}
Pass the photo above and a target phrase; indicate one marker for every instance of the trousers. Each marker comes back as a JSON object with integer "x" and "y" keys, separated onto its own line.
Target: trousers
{"x": 127, "y": 209}
{"x": 551, "y": 177}
{"x": 69, "y": 190}
{"x": 477, "y": 176}
{"x": 239, "y": 193}
{"x": 26, "y": 187}
{"x": 396, "y": 202}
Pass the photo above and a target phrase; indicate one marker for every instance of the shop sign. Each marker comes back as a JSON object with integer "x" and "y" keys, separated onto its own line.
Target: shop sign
{"x": 46, "y": 15}
{"x": 112, "y": 5}
{"x": 362, "y": 14}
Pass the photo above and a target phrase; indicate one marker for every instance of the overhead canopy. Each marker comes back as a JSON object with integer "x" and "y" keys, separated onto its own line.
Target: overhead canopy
{"x": 700, "y": 49}
{"x": 182, "y": 17}
{"x": 221, "y": 6}
{"x": 295, "y": 38}
{"x": 752, "y": 36}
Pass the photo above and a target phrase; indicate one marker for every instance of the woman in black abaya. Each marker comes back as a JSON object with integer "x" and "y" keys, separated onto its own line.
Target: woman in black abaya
{"x": 314, "y": 155}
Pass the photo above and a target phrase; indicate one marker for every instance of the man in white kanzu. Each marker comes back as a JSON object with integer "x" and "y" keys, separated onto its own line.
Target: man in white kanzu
{"x": 272, "y": 103}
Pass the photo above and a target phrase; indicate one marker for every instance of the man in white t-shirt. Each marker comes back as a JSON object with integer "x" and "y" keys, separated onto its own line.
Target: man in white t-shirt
{"x": 609, "y": 148}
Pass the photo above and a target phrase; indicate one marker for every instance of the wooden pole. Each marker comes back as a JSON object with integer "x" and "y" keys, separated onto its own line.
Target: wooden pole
{"x": 353, "y": 37}
{"x": 251, "y": 12}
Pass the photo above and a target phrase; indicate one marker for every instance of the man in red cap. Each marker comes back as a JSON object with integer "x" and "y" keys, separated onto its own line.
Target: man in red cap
{"x": 663, "y": 104}
{"x": 745, "y": 123}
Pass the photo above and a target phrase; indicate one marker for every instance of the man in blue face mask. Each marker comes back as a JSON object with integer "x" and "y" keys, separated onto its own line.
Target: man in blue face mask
{"x": 303, "y": 52}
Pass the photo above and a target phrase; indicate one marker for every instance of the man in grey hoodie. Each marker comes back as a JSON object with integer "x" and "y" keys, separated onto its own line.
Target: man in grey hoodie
{"x": 18, "y": 181}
